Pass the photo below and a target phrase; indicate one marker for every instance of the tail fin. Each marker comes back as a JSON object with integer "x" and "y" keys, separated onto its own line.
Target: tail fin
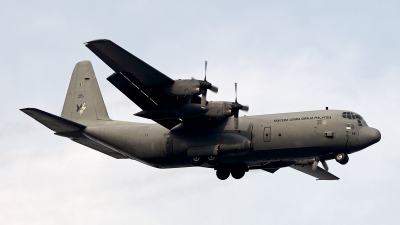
{"x": 84, "y": 103}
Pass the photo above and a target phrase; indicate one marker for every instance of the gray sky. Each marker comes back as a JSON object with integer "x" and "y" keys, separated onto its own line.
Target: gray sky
{"x": 285, "y": 56}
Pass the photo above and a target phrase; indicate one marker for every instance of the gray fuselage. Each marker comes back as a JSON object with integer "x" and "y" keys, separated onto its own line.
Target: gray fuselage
{"x": 288, "y": 136}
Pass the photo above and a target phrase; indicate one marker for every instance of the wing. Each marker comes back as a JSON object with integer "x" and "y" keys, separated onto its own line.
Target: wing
{"x": 319, "y": 173}
{"x": 140, "y": 82}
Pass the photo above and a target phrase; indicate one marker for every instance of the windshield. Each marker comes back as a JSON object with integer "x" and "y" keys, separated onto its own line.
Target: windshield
{"x": 351, "y": 116}
{"x": 354, "y": 116}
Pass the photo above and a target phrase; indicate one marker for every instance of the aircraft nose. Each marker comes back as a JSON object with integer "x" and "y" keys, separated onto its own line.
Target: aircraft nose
{"x": 368, "y": 136}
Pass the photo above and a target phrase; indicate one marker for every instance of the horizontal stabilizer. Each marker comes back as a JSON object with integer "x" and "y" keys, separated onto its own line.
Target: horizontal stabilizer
{"x": 319, "y": 173}
{"x": 53, "y": 122}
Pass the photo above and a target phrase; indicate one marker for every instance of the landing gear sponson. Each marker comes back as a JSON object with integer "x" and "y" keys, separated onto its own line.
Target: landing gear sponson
{"x": 238, "y": 170}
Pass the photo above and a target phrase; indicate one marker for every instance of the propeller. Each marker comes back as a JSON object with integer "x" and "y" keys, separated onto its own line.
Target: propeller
{"x": 235, "y": 109}
{"x": 204, "y": 86}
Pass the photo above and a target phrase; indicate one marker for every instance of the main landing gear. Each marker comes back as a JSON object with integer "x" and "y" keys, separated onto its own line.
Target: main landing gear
{"x": 237, "y": 173}
{"x": 223, "y": 174}
{"x": 342, "y": 158}
{"x": 237, "y": 170}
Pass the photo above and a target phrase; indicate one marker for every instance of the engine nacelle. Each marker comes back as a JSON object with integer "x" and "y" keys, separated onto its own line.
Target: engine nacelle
{"x": 219, "y": 109}
{"x": 182, "y": 88}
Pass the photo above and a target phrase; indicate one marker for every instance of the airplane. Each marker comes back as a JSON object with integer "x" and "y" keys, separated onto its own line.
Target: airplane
{"x": 191, "y": 131}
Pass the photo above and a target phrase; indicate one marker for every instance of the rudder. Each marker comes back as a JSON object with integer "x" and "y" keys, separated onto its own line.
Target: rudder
{"x": 84, "y": 103}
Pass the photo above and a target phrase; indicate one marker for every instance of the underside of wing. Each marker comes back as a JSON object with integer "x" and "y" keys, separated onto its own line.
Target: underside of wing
{"x": 130, "y": 90}
{"x": 319, "y": 173}
{"x": 137, "y": 80}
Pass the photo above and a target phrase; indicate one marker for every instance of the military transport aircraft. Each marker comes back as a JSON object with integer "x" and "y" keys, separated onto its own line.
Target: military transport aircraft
{"x": 192, "y": 131}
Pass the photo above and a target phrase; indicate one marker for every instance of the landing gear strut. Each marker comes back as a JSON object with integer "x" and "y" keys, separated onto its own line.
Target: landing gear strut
{"x": 342, "y": 158}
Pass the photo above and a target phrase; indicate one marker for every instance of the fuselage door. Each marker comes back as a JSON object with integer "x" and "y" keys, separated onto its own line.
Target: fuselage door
{"x": 267, "y": 134}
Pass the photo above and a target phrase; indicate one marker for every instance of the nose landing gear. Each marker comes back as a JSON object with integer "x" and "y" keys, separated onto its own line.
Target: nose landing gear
{"x": 342, "y": 158}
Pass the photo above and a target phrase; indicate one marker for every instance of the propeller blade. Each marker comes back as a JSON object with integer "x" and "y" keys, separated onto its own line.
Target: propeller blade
{"x": 204, "y": 97}
{"x": 325, "y": 165}
{"x": 235, "y": 92}
{"x": 214, "y": 89}
{"x": 245, "y": 108}
{"x": 236, "y": 122}
{"x": 205, "y": 72}
{"x": 203, "y": 100}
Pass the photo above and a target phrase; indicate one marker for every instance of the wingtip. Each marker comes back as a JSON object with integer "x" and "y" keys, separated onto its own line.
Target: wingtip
{"x": 96, "y": 41}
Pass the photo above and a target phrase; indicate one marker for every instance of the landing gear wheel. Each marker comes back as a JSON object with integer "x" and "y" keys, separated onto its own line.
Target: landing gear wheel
{"x": 342, "y": 158}
{"x": 237, "y": 174}
{"x": 223, "y": 174}
{"x": 212, "y": 159}
{"x": 197, "y": 160}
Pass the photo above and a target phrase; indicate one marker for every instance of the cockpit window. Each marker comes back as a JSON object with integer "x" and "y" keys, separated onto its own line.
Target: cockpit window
{"x": 351, "y": 116}
{"x": 359, "y": 117}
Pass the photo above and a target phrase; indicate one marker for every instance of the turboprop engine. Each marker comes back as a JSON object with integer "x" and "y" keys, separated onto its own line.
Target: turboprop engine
{"x": 219, "y": 109}
{"x": 183, "y": 88}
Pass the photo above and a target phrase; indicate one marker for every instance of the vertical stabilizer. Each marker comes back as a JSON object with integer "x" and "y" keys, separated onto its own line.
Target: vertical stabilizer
{"x": 84, "y": 103}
